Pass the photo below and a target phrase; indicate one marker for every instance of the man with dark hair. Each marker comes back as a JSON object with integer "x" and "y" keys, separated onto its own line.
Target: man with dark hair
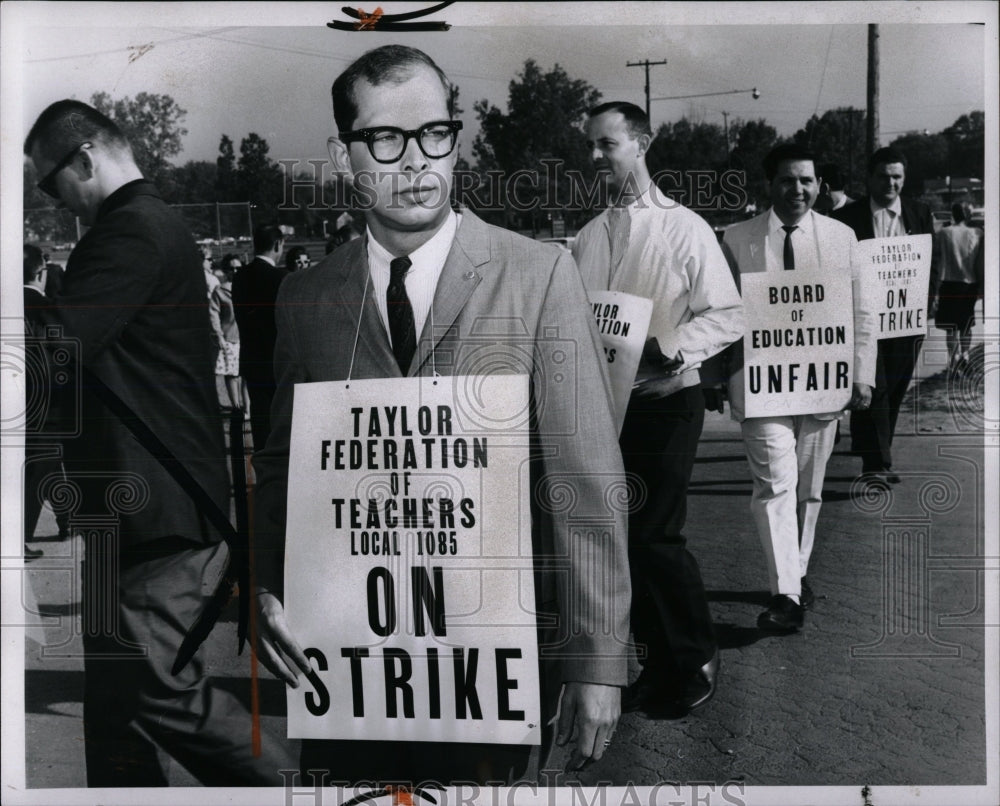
{"x": 831, "y": 196}
{"x": 444, "y": 276}
{"x": 134, "y": 301}
{"x": 255, "y": 288}
{"x": 884, "y": 213}
{"x": 649, "y": 246}
{"x": 960, "y": 256}
{"x": 788, "y": 454}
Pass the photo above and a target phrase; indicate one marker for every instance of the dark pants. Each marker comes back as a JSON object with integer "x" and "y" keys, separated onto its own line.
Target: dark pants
{"x": 872, "y": 430}
{"x": 670, "y": 616}
{"x": 132, "y": 703}
{"x": 261, "y": 396}
{"x": 42, "y": 468}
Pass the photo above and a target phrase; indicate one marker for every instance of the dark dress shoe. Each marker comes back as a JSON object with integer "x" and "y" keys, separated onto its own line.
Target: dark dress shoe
{"x": 890, "y": 476}
{"x": 32, "y": 554}
{"x": 700, "y": 687}
{"x": 807, "y": 597}
{"x": 783, "y": 615}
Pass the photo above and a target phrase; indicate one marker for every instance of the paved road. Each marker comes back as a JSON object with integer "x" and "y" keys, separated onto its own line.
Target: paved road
{"x": 884, "y": 686}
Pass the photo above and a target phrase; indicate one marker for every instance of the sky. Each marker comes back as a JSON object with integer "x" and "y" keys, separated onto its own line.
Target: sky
{"x": 267, "y": 68}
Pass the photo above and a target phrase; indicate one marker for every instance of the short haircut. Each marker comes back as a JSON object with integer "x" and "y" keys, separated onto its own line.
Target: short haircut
{"x": 832, "y": 175}
{"x": 228, "y": 258}
{"x": 961, "y": 211}
{"x": 68, "y": 124}
{"x": 635, "y": 117}
{"x": 389, "y": 63}
{"x": 34, "y": 262}
{"x": 886, "y": 156}
{"x": 265, "y": 237}
{"x": 786, "y": 152}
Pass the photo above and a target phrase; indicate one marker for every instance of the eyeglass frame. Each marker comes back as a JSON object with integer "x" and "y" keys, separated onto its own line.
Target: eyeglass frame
{"x": 366, "y": 135}
{"x": 306, "y": 258}
{"x": 47, "y": 182}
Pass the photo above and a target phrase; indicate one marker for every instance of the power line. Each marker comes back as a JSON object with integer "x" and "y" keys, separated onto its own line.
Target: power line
{"x": 647, "y": 64}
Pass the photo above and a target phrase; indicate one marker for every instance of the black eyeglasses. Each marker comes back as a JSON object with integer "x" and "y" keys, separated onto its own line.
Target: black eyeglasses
{"x": 304, "y": 260}
{"x": 387, "y": 143}
{"x": 48, "y": 183}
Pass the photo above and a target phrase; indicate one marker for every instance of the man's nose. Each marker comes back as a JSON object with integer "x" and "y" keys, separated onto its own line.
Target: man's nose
{"x": 413, "y": 157}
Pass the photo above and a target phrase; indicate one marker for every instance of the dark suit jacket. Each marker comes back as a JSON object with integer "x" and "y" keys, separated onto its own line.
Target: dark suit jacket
{"x": 917, "y": 220}
{"x": 133, "y": 301}
{"x": 503, "y": 304}
{"x": 255, "y": 289}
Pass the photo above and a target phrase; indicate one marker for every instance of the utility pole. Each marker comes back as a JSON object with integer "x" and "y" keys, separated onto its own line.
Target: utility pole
{"x": 647, "y": 64}
{"x": 872, "y": 129}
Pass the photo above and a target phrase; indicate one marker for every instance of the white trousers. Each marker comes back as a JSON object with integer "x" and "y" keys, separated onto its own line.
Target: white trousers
{"x": 787, "y": 457}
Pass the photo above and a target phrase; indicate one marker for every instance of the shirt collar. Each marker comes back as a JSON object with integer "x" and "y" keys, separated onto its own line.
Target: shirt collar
{"x": 895, "y": 207}
{"x": 431, "y": 254}
{"x": 125, "y": 193}
{"x": 265, "y": 258}
{"x": 774, "y": 224}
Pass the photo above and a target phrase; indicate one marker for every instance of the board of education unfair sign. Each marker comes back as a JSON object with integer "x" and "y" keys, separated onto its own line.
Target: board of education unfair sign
{"x": 408, "y": 561}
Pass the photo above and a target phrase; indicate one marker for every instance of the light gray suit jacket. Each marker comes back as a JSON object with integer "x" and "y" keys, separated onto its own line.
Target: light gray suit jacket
{"x": 744, "y": 248}
{"x": 504, "y": 304}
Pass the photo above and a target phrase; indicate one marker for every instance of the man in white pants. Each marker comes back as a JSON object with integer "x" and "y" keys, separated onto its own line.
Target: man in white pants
{"x": 788, "y": 454}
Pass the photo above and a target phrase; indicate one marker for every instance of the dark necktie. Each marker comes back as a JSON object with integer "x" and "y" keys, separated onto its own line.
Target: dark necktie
{"x": 401, "y": 328}
{"x": 618, "y": 226}
{"x": 789, "y": 253}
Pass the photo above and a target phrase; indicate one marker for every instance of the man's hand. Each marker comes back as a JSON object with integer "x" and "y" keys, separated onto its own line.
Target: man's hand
{"x": 715, "y": 397}
{"x": 861, "y": 397}
{"x": 589, "y": 712}
{"x": 276, "y": 647}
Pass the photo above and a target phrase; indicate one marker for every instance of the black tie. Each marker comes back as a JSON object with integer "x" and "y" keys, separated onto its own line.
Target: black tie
{"x": 401, "y": 328}
{"x": 789, "y": 253}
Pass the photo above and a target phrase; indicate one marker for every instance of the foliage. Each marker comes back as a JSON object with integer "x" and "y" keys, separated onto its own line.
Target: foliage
{"x": 543, "y": 122}
{"x": 838, "y": 136}
{"x": 225, "y": 169}
{"x": 754, "y": 138}
{"x": 151, "y": 123}
{"x": 966, "y": 145}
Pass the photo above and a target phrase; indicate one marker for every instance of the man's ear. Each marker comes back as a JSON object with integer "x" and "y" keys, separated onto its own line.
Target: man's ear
{"x": 85, "y": 165}
{"x": 340, "y": 159}
{"x": 644, "y": 142}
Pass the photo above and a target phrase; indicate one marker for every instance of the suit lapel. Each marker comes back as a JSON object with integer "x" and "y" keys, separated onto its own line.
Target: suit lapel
{"x": 459, "y": 278}
{"x": 370, "y": 337}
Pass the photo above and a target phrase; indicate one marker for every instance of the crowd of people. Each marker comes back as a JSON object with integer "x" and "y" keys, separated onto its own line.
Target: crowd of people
{"x": 406, "y": 301}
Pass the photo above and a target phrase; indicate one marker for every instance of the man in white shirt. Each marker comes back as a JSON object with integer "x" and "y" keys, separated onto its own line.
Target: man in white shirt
{"x": 788, "y": 454}
{"x": 434, "y": 293}
{"x": 649, "y": 245}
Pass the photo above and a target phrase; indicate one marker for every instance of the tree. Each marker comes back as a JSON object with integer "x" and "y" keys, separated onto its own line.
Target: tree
{"x": 839, "y": 136}
{"x": 966, "y": 145}
{"x": 152, "y": 124}
{"x": 259, "y": 178}
{"x": 225, "y": 170}
{"x": 543, "y": 122}
{"x": 754, "y": 138}
{"x": 926, "y": 158}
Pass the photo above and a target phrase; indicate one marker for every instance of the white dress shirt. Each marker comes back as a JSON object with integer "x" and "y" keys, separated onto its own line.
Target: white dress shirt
{"x": 673, "y": 258}
{"x": 803, "y": 243}
{"x": 421, "y": 279}
{"x": 887, "y": 222}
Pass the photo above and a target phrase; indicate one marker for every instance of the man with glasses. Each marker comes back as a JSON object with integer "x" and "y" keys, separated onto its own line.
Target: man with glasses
{"x": 460, "y": 278}
{"x": 133, "y": 300}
